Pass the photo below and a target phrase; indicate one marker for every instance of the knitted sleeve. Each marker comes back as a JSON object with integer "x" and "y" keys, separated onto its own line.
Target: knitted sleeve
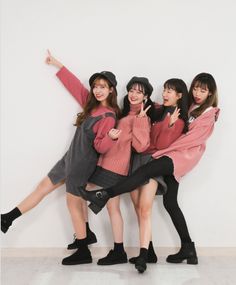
{"x": 141, "y": 134}
{"x": 73, "y": 85}
{"x": 102, "y": 142}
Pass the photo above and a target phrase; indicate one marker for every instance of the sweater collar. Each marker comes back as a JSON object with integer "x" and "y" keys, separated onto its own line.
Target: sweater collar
{"x": 135, "y": 109}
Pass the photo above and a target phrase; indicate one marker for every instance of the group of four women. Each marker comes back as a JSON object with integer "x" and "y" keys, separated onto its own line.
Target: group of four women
{"x": 143, "y": 149}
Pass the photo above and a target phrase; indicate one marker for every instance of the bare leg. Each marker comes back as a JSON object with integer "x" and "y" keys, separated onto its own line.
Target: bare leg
{"x": 33, "y": 199}
{"x": 75, "y": 207}
{"x": 135, "y": 196}
{"x": 113, "y": 207}
{"x": 147, "y": 196}
{"x": 85, "y": 210}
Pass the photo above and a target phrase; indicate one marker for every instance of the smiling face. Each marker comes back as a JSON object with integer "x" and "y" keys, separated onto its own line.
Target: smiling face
{"x": 101, "y": 90}
{"x": 200, "y": 93}
{"x": 170, "y": 97}
{"x": 136, "y": 94}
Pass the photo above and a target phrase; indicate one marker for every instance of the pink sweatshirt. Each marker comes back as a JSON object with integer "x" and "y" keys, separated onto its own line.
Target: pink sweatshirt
{"x": 188, "y": 149}
{"x": 135, "y": 133}
{"x": 102, "y": 142}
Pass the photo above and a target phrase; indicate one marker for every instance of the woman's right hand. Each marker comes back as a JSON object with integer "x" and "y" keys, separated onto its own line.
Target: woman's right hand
{"x": 52, "y": 60}
{"x": 174, "y": 117}
{"x": 114, "y": 134}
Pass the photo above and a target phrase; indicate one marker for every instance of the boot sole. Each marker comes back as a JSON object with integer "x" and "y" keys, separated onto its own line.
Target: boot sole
{"x": 78, "y": 262}
{"x": 193, "y": 261}
{"x": 113, "y": 263}
{"x": 151, "y": 262}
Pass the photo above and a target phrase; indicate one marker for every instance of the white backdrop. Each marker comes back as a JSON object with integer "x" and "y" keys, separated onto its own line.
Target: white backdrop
{"x": 158, "y": 39}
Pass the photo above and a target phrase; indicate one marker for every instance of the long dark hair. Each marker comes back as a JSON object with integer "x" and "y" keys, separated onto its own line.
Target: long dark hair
{"x": 179, "y": 86}
{"x": 92, "y": 102}
{"x": 204, "y": 81}
{"x": 126, "y": 104}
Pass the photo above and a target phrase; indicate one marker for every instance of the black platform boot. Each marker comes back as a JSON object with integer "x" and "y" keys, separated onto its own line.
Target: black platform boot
{"x": 151, "y": 255}
{"x": 187, "y": 251}
{"x": 113, "y": 257}
{"x": 91, "y": 238}
{"x": 98, "y": 198}
{"x": 5, "y": 224}
{"x": 8, "y": 218}
{"x": 81, "y": 256}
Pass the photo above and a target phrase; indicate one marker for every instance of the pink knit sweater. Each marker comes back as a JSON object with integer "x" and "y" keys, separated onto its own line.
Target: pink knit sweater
{"x": 188, "y": 149}
{"x": 135, "y": 133}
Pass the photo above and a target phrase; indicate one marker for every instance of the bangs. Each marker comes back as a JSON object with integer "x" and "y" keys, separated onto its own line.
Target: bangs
{"x": 100, "y": 81}
{"x": 170, "y": 85}
{"x": 138, "y": 86}
{"x": 201, "y": 84}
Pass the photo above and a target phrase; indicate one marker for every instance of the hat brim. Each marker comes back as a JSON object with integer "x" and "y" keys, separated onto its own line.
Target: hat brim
{"x": 96, "y": 75}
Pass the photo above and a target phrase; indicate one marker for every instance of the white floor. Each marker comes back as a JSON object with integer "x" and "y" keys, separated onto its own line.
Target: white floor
{"x": 43, "y": 267}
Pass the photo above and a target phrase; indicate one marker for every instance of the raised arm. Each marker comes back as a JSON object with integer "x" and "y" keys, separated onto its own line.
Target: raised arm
{"x": 69, "y": 80}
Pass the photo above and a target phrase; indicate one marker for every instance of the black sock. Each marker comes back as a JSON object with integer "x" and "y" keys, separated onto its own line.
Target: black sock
{"x": 12, "y": 215}
{"x": 119, "y": 247}
{"x": 143, "y": 253}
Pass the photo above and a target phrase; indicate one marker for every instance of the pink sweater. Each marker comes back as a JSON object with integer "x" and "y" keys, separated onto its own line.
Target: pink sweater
{"x": 135, "y": 133}
{"x": 102, "y": 142}
{"x": 162, "y": 136}
{"x": 188, "y": 149}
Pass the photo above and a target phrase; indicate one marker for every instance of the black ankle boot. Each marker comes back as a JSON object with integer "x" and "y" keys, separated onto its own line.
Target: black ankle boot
{"x": 187, "y": 251}
{"x": 81, "y": 256}
{"x": 150, "y": 259}
{"x": 151, "y": 255}
{"x": 90, "y": 239}
{"x": 8, "y": 218}
{"x": 5, "y": 224}
{"x": 98, "y": 198}
{"x": 113, "y": 257}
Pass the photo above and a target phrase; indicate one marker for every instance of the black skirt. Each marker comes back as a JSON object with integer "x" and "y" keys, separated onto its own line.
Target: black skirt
{"x": 105, "y": 178}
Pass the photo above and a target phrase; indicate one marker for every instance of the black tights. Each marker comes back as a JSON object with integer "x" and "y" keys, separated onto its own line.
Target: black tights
{"x": 171, "y": 205}
{"x": 158, "y": 167}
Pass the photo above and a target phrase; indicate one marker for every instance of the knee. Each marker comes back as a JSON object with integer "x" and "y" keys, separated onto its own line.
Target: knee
{"x": 45, "y": 187}
{"x": 113, "y": 209}
{"x": 170, "y": 204}
{"x": 73, "y": 202}
{"x": 144, "y": 212}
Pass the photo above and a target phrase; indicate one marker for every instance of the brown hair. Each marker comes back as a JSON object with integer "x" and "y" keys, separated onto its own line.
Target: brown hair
{"x": 205, "y": 81}
{"x": 92, "y": 102}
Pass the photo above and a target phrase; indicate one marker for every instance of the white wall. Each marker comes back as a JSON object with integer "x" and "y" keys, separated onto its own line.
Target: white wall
{"x": 158, "y": 39}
